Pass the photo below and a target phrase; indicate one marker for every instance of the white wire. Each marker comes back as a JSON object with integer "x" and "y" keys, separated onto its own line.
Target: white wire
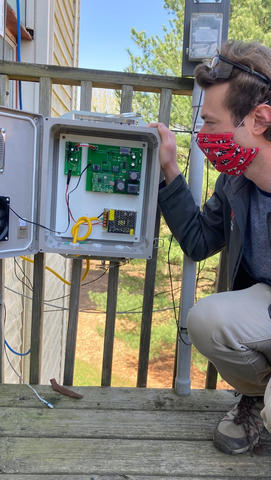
{"x": 48, "y": 404}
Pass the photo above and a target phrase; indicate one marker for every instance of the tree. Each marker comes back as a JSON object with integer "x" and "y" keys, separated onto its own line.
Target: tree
{"x": 249, "y": 20}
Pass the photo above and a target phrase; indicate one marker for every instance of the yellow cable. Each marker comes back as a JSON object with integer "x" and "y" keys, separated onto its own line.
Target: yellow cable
{"x": 27, "y": 259}
{"x": 86, "y": 271}
{"x": 75, "y": 228}
{"x": 57, "y": 274}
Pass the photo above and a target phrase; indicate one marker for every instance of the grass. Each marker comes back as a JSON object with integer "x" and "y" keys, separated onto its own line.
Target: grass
{"x": 86, "y": 374}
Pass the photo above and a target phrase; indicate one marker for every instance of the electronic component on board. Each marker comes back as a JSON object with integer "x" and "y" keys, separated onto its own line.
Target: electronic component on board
{"x": 119, "y": 221}
{"x": 73, "y": 158}
{"x": 119, "y": 169}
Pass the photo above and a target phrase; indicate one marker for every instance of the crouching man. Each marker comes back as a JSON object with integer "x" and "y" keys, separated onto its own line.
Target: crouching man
{"x": 232, "y": 329}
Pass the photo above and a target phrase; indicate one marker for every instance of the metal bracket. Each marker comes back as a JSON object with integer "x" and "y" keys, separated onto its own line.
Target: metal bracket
{"x": 129, "y": 118}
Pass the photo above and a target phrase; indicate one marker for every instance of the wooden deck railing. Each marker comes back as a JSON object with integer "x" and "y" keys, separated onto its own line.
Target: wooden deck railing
{"x": 127, "y": 83}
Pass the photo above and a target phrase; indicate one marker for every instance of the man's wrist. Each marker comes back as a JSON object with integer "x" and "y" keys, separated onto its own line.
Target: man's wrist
{"x": 170, "y": 173}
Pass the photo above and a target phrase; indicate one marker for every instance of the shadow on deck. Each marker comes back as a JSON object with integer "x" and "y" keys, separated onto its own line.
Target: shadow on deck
{"x": 119, "y": 433}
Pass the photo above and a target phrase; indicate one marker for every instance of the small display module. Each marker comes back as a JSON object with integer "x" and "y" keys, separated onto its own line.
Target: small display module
{"x": 114, "y": 169}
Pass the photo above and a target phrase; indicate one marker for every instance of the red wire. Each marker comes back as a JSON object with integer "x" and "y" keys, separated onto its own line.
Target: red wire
{"x": 85, "y": 145}
{"x": 67, "y": 203}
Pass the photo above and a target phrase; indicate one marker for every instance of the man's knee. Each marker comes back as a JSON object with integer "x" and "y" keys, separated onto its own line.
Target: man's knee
{"x": 202, "y": 323}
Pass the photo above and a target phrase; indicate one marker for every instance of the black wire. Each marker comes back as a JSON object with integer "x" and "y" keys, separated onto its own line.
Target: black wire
{"x": 68, "y": 197}
{"x": 34, "y": 223}
{"x": 179, "y": 328}
{"x": 79, "y": 179}
{"x": 16, "y": 263}
{"x": 83, "y": 284}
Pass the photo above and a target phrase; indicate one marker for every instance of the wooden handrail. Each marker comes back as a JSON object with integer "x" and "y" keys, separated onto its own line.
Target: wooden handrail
{"x": 100, "y": 78}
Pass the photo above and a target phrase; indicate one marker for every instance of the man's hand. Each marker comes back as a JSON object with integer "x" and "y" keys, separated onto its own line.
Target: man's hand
{"x": 167, "y": 152}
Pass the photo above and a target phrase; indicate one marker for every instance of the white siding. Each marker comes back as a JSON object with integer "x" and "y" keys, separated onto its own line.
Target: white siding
{"x": 65, "y": 52}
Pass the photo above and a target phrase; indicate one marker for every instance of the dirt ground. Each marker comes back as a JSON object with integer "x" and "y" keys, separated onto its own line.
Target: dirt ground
{"x": 89, "y": 348}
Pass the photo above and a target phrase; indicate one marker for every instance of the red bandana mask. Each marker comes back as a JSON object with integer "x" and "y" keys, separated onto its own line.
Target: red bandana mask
{"x": 225, "y": 155}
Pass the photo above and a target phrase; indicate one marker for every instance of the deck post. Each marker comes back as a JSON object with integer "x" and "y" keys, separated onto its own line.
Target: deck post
{"x": 86, "y": 95}
{"x": 85, "y": 104}
{"x": 111, "y": 306}
{"x": 150, "y": 272}
{"x": 112, "y": 289}
{"x": 45, "y": 95}
{"x": 72, "y": 322}
{"x": 4, "y": 91}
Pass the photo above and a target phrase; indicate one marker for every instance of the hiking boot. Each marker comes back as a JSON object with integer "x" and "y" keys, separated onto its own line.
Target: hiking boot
{"x": 239, "y": 431}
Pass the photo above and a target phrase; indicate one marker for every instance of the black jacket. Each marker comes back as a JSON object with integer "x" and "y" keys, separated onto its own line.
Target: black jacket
{"x": 221, "y": 223}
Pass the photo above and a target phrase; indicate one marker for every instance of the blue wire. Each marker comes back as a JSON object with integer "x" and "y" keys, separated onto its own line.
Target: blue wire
{"x": 19, "y": 48}
{"x": 17, "y": 353}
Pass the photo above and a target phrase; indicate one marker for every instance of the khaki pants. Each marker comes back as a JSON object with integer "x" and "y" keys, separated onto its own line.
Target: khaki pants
{"x": 233, "y": 330}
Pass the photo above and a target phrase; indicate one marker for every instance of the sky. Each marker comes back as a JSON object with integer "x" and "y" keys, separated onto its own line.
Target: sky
{"x": 105, "y": 27}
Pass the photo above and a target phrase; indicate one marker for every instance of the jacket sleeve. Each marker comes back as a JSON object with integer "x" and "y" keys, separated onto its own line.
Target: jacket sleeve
{"x": 200, "y": 233}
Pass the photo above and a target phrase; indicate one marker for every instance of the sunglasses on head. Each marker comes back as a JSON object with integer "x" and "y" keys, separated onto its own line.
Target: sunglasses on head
{"x": 221, "y": 67}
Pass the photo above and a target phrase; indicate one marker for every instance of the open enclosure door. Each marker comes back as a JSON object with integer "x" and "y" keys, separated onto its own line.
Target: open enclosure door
{"x": 20, "y": 142}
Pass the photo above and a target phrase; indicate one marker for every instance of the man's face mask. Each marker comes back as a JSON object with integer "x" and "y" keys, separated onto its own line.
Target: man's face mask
{"x": 225, "y": 155}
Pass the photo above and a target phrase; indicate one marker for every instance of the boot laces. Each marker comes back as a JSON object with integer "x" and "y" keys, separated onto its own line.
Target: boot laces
{"x": 248, "y": 418}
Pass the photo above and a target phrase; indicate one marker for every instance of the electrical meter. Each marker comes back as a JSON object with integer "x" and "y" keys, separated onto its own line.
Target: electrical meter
{"x": 82, "y": 184}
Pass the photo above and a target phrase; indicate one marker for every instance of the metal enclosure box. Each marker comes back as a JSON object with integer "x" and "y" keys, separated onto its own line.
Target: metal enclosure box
{"x": 213, "y": 8}
{"x": 19, "y": 177}
{"x": 35, "y": 181}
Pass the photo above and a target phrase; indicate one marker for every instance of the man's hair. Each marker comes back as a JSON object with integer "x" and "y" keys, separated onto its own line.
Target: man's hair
{"x": 246, "y": 91}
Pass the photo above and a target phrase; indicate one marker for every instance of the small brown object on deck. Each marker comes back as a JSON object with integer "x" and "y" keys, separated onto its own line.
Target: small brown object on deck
{"x": 64, "y": 390}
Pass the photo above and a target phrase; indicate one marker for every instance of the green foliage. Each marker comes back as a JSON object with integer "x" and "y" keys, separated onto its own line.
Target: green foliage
{"x": 250, "y": 20}
{"x": 86, "y": 374}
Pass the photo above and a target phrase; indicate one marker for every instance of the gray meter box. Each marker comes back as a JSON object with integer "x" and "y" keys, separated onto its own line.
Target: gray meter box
{"x": 77, "y": 185}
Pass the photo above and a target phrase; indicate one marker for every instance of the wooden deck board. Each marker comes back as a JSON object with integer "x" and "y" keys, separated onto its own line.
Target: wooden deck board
{"x": 33, "y": 422}
{"x": 118, "y": 433}
{"x": 121, "y": 477}
{"x": 113, "y": 398}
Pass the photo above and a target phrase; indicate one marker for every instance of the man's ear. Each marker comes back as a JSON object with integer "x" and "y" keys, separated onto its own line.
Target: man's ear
{"x": 261, "y": 116}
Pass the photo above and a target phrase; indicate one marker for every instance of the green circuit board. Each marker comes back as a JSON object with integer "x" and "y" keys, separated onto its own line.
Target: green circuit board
{"x": 73, "y": 158}
{"x": 114, "y": 169}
